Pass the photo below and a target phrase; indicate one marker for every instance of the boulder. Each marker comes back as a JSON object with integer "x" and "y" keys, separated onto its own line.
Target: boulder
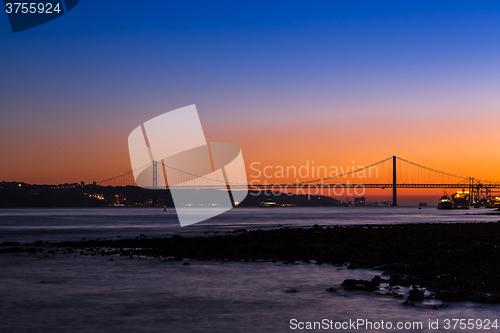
{"x": 352, "y": 284}
{"x": 416, "y": 295}
{"x": 10, "y": 244}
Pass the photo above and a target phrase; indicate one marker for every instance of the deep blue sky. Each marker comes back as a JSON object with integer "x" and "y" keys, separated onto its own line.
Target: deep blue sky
{"x": 107, "y": 66}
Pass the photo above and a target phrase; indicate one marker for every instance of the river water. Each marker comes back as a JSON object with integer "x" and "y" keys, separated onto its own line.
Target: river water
{"x": 57, "y": 224}
{"x": 64, "y": 293}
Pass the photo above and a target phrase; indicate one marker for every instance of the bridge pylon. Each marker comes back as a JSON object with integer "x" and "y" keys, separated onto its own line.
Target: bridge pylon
{"x": 155, "y": 184}
{"x": 394, "y": 187}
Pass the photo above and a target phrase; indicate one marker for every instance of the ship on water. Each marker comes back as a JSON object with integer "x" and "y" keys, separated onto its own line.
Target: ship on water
{"x": 461, "y": 199}
{"x": 445, "y": 202}
{"x": 269, "y": 203}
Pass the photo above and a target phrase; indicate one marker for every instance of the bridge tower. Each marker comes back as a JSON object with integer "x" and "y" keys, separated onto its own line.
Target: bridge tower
{"x": 155, "y": 183}
{"x": 471, "y": 191}
{"x": 394, "y": 189}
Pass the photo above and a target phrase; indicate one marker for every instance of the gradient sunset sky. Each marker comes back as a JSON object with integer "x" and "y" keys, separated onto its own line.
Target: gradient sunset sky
{"x": 329, "y": 81}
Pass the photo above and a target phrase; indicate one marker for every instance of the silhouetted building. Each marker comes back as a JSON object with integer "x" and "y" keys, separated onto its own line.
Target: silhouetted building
{"x": 359, "y": 201}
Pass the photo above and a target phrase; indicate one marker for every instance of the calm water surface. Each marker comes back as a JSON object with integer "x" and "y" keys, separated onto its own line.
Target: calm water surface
{"x": 57, "y": 224}
{"x": 64, "y": 293}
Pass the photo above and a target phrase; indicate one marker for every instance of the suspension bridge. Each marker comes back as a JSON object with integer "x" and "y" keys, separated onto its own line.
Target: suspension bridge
{"x": 393, "y": 173}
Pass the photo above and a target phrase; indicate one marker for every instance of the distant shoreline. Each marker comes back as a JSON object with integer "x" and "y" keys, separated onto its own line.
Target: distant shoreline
{"x": 78, "y": 195}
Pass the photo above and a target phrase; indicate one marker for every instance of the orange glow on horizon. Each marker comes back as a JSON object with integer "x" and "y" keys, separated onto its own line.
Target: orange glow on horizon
{"x": 52, "y": 158}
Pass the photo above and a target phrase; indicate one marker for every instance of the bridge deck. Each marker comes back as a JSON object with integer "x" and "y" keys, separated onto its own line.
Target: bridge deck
{"x": 347, "y": 185}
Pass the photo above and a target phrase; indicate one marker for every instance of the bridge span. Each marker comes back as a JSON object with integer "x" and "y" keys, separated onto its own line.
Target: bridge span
{"x": 392, "y": 173}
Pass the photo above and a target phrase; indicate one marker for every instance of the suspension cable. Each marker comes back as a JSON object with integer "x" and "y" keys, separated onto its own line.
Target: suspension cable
{"x": 431, "y": 169}
{"x": 347, "y": 173}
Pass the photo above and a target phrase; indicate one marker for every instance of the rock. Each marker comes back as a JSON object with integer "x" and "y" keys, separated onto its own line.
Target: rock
{"x": 452, "y": 296}
{"x": 486, "y": 298}
{"x": 10, "y": 244}
{"x": 37, "y": 243}
{"x": 416, "y": 295}
{"x": 408, "y": 303}
{"x": 291, "y": 291}
{"x": 186, "y": 264}
{"x": 12, "y": 250}
{"x": 401, "y": 280}
{"x": 31, "y": 250}
{"x": 351, "y": 284}
{"x": 376, "y": 280}
{"x": 388, "y": 267}
{"x": 389, "y": 272}
{"x": 331, "y": 290}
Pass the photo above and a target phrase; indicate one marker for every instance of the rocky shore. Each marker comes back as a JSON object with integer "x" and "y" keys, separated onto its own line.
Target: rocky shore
{"x": 454, "y": 261}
